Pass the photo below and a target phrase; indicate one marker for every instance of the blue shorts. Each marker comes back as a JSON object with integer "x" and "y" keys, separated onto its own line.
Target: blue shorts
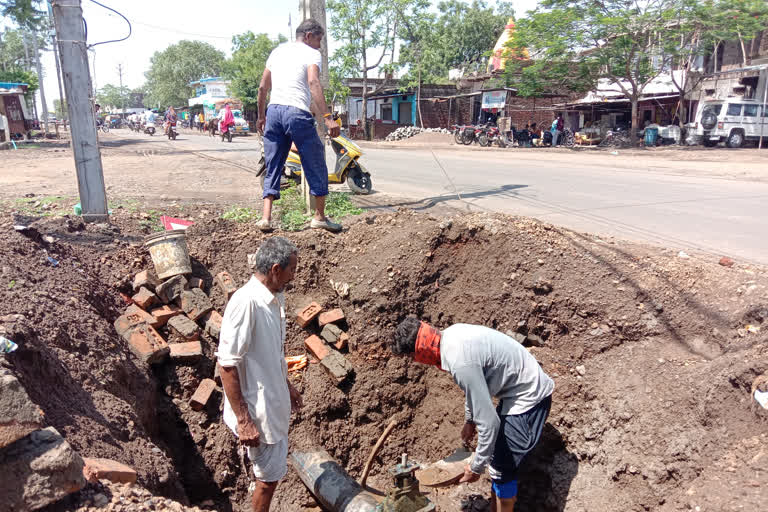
{"x": 284, "y": 125}
{"x": 518, "y": 435}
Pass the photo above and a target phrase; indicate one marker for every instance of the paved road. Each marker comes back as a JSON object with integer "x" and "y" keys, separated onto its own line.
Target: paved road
{"x": 717, "y": 216}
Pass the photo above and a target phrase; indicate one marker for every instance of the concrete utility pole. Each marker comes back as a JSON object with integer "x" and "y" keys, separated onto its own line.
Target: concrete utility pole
{"x": 315, "y": 9}
{"x": 68, "y": 18}
{"x": 120, "y": 72}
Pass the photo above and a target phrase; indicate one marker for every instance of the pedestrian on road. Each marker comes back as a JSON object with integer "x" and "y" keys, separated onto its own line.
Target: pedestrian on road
{"x": 557, "y": 130}
{"x": 293, "y": 75}
{"x": 485, "y": 364}
{"x": 258, "y": 397}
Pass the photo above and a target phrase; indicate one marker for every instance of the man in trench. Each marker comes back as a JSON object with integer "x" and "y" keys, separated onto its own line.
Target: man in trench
{"x": 259, "y": 397}
{"x": 485, "y": 364}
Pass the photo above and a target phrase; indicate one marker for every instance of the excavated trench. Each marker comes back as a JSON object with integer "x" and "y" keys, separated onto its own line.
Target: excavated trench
{"x": 633, "y": 338}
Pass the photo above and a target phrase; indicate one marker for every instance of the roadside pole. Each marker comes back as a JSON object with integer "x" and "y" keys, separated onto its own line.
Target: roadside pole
{"x": 315, "y": 9}
{"x": 40, "y": 79}
{"x": 762, "y": 122}
{"x": 68, "y": 18}
{"x": 58, "y": 68}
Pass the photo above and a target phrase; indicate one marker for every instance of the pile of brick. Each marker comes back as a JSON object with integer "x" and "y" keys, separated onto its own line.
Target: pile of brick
{"x": 332, "y": 340}
{"x": 179, "y": 308}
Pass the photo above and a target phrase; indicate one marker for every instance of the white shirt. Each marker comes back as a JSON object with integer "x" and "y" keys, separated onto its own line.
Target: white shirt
{"x": 252, "y": 339}
{"x": 288, "y": 64}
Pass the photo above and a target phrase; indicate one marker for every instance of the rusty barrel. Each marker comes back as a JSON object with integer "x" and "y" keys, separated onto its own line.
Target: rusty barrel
{"x": 169, "y": 253}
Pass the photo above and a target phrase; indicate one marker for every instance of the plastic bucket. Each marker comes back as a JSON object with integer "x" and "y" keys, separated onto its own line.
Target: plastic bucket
{"x": 169, "y": 253}
{"x": 651, "y": 134}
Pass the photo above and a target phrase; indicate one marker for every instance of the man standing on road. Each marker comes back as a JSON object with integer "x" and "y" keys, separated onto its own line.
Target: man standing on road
{"x": 293, "y": 75}
{"x": 485, "y": 364}
{"x": 259, "y": 397}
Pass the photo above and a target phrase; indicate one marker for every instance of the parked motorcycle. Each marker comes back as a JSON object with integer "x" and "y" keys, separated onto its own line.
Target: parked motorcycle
{"x": 489, "y": 135}
{"x": 348, "y": 167}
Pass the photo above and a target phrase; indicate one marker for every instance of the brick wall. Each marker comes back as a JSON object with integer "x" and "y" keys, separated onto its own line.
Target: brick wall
{"x": 524, "y": 111}
{"x": 443, "y": 114}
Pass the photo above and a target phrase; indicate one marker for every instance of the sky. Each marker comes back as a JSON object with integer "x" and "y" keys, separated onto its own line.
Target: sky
{"x": 158, "y": 24}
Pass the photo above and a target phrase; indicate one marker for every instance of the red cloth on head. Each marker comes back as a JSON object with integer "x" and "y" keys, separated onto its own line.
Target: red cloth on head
{"x": 229, "y": 118}
{"x": 427, "y": 345}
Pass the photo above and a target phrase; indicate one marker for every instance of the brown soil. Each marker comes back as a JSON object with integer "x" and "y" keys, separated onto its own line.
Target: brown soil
{"x": 658, "y": 418}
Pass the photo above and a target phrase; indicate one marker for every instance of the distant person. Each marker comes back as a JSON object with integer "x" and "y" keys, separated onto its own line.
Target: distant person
{"x": 226, "y": 118}
{"x": 487, "y": 364}
{"x": 258, "y": 396}
{"x": 535, "y": 134}
{"x": 557, "y": 130}
{"x": 293, "y": 75}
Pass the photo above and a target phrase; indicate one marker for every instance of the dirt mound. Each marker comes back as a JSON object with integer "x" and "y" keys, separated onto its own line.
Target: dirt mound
{"x": 652, "y": 372}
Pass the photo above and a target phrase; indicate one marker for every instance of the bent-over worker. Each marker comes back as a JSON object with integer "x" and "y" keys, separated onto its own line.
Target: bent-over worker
{"x": 485, "y": 364}
{"x": 259, "y": 397}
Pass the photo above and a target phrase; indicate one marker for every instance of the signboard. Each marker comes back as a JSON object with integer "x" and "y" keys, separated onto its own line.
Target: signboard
{"x": 494, "y": 99}
{"x": 170, "y": 223}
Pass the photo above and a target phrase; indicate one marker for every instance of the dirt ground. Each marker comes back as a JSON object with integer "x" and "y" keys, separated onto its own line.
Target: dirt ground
{"x": 648, "y": 350}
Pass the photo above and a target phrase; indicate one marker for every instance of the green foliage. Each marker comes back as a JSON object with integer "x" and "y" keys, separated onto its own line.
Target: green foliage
{"x": 336, "y": 93}
{"x": 20, "y": 76}
{"x": 172, "y": 70}
{"x": 49, "y": 206}
{"x": 244, "y": 69}
{"x": 25, "y": 13}
{"x": 339, "y": 205}
{"x": 291, "y": 209}
{"x": 112, "y": 96}
{"x": 241, "y": 214}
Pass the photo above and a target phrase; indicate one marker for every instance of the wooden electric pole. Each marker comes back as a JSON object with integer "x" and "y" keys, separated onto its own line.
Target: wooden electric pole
{"x": 73, "y": 50}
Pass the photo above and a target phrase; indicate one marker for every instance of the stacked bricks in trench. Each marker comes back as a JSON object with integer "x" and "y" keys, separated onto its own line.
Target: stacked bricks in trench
{"x": 202, "y": 395}
{"x": 307, "y": 314}
{"x": 107, "y": 469}
{"x": 137, "y": 328}
{"x": 335, "y": 364}
{"x": 227, "y": 284}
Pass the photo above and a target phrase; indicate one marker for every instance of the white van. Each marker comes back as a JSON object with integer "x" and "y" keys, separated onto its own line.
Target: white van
{"x": 733, "y": 121}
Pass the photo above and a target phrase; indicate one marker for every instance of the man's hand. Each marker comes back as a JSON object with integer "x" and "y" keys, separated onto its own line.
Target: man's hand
{"x": 333, "y": 127}
{"x": 296, "y": 401}
{"x": 247, "y": 432}
{"x": 260, "y": 123}
{"x": 468, "y": 432}
{"x": 469, "y": 475}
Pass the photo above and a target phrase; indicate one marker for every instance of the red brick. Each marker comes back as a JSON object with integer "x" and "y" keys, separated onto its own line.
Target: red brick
{"x": 196, "y": 282}
{"x": 227, "y": 284}
{"x": 171, "y": 289}
{"x": 147, "y": 344}
{"x": 343, "y": 341}
{"x": 107, "y": 469}
{"x": 184, "y": 327}
{"x": 165, "y": 313}
{"x": 146, "y": 279}
{"x": 144, "y": 299}
{"x": 306, "y": 315}
{"x": 132, "y": 317}
{"x": 195, "y": 303}
{"x": 331, "y": 317}
{"x": 213, "y": 322}
{"x": 202, "y": 395}
{"x": 190, "y": 351}
{"x": 317, "y": 347}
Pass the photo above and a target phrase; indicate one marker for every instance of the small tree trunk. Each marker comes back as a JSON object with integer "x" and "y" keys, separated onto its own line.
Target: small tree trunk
{"x": 418, "y": 99}
{"x": 743, "y": 51}
{"x": 635, "y": 120}
{"x": 364, "y": 122}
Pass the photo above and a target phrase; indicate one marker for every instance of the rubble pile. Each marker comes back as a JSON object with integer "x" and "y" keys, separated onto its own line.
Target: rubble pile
{"x": 407, "y": 132}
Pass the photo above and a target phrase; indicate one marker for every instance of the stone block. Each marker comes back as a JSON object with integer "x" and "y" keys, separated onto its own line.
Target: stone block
{"x": 184, "y": 327}
{"x": 195, "y": 303}
{"x": 107, "y": 469}
{"x": 171, "y": 289}
{"x": 337, "y": 366}
{"x": 307, "y": 314}
{"x": 147, "y": 344}
{"x": 132, "y": 317}
{"x": 38, "y": 470}
{"x": 227, "y": 284}
{"x": 217, "y": 374}
{"x": 317, "y": 347}
{"x": 213, "y": 322}
{"x": 202, "y": 395}
{"x": 144, "y": 298}
{"x": 165, "y": 313}
{"x": 19, "y": 416}
{"x": 190, "y": 351}
{"x": 330, "y": 317}
{"x": 146, "y": 279}
{"x": 331, "y": 333}
{"x": 196, "y": 282}
{"x": 342, "y": 342}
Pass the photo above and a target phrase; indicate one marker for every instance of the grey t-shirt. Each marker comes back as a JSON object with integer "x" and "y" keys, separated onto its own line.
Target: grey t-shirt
{"x": 485, "y": 364}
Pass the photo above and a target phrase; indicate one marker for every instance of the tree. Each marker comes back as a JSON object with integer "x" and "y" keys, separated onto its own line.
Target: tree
{"x": 363, "y": 27}
{"x": 24, "y": 13}
{"x": 336, "y": 93}
{"x": 171, "y": 71}
{"x": 60, "y": 110}
{"x": 13, "y": 54}
{"x": 20, "y": 76}
{"x": 620, "y": 41}
{"x": 112, "y": 96}
{"x": 698, "y": 32}
{"x": 244, "y": 69}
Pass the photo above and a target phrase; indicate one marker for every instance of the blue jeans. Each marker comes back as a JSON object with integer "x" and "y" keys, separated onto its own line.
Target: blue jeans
{"x": 283, "y": 125}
